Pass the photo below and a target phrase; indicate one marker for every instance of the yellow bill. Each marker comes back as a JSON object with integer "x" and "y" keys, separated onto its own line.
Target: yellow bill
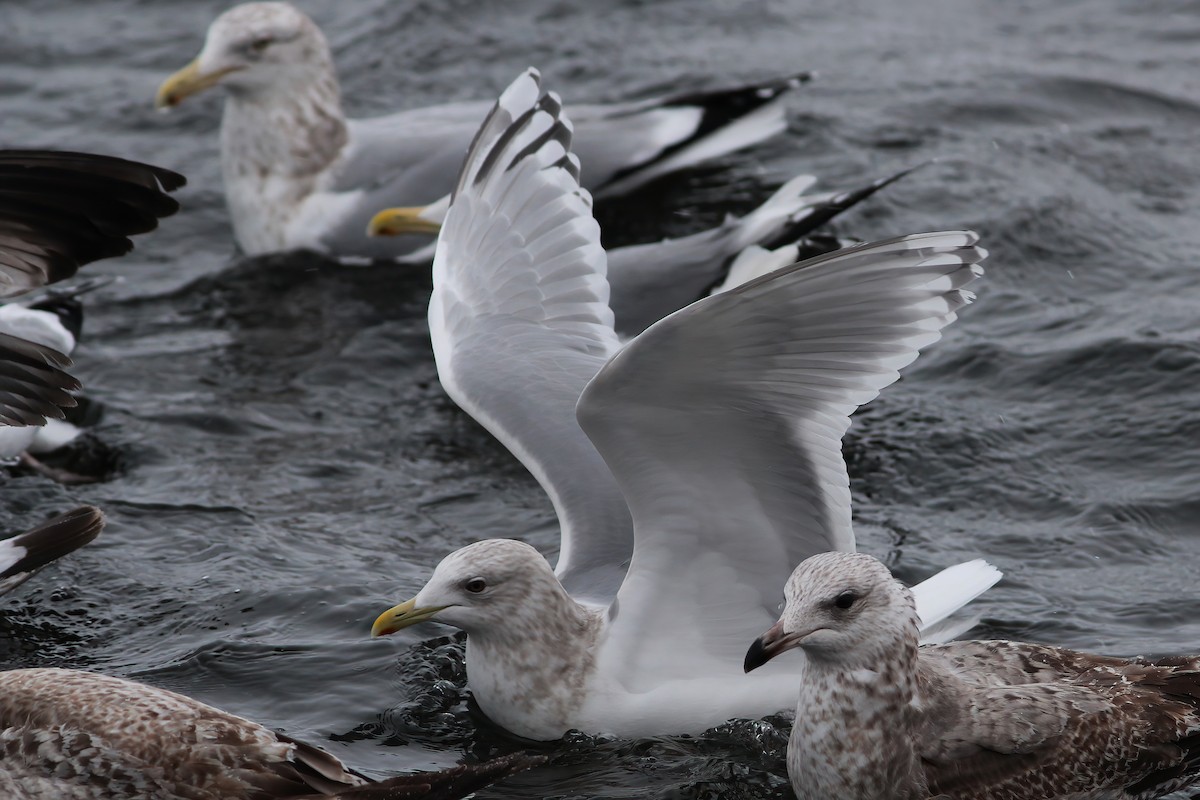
{"x": 399, "y": 221}
{"x": 402, "y": 616}
{"x": 187, "y": 81}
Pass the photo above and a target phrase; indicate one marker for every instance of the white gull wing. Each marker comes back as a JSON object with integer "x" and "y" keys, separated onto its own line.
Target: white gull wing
{"x": 520, "y": 322}
{"x": 723, "y": 423}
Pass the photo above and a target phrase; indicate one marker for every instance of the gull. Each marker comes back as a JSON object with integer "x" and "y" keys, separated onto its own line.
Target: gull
{"x": 59, "y": 211}
{"x": 75, "y": 735}
{"x": 689, "y": 469}
{"x": 299, "y": 175}
{"x": 86, "y": 736}
{"x": 880, "y": 718}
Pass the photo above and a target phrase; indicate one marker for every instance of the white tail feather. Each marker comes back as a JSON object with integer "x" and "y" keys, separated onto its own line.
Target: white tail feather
{"x": 949, "y": 590}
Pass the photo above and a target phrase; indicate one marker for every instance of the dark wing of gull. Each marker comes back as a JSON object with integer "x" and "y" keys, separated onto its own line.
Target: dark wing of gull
{"x": 723, "y": 425}
{"x": 520, "y": 321}
{"x": 33, "y": 382}
{"x": 105, "y": 738}
{"x": 1033, "y": 721}
{"x": 26, "y": 553}
{"x": 61, "y": 210}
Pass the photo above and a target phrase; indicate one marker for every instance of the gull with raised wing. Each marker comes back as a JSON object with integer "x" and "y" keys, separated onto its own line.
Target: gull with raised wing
{"x": 881, "y": 718}
{"x": 689, "y": 469}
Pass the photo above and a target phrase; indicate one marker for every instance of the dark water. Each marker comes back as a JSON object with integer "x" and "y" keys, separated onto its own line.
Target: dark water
{"x": 290, "y": 466}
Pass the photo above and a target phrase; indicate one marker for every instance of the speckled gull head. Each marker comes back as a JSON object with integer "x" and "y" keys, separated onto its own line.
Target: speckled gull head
{"x": 841, "y": 608}
{"x": 254, "y": 49}
{"x": 486, "y": 589}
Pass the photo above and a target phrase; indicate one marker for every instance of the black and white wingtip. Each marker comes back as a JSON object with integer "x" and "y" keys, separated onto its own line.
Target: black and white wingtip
{"x": 714, "y": 123}
{"x": 816, "y": 214}
{"x": 34, "y": 384}
{"x": 24, "y": 554}
{"x": 523, "y": 123}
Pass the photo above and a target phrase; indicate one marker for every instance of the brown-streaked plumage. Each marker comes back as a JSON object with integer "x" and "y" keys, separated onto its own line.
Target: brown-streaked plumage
{"x": 73, "y": 735}
{"x": 58, "y": 211}
{"x": 880, "y": 717}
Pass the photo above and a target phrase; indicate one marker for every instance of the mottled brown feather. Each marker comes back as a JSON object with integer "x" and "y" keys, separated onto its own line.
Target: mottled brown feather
{"x": 1034, "y": 721}
{"x": 82, "y": 736}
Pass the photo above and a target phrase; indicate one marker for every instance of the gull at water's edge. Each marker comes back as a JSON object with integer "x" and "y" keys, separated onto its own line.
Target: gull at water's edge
{"x": 880, "y": 718}
{"x": 719, "y": 429}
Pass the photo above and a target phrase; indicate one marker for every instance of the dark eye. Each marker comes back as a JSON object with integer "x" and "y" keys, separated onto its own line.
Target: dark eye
{"x": 260, "y": 44}
{"x": 845, "y": 600}
{"x": 475, "y": 585}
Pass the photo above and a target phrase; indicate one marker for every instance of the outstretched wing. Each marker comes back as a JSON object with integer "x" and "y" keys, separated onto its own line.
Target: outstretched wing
{"x": 61, "y": 210}
{"x": 520, "y": 321}
{"x": 723, "y": 424}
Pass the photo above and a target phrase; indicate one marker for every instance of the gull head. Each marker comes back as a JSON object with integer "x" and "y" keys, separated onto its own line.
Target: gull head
{"x": 483, "y": 588}
{"x": 254, "y": 49}
{"x": 842, "y": 608}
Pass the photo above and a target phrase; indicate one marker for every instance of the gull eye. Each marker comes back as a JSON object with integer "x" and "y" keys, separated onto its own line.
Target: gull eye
{"x": 475, "y": 585}
{"x": 260, "y": 44}
{"x": 845, "y": 600}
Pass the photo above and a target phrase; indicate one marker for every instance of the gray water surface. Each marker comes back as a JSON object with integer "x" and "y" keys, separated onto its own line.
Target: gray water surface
{"x": 290, "y": 467}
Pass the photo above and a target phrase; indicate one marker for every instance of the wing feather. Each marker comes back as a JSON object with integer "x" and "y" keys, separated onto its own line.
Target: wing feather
{"x": 723, "y": 422}
{"x": 520, "y": 321}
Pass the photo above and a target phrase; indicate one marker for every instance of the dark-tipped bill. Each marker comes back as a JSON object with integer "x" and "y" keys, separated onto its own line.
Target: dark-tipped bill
{"x": 402, "y": 616}
{"x": 769, "y": 645}
{"x": 399, "y": 221}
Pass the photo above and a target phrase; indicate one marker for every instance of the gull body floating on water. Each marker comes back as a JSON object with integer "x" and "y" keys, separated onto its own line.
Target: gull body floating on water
{"x": 59, "y": 211}
{"x": 83, "y": 736}
{"x": 74, "y": 735}
{"x": 880, "y": 718}
{"x": 712, "y": 457}
{"x": 299, "y": 175}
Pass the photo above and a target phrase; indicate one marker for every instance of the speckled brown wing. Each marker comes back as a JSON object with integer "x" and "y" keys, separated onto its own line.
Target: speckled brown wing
{"x": 61, "y": 210}
{"x": 1003, "y": 663}
{"x": 1105, "y": 728}
{"x": 72, "y": 735}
